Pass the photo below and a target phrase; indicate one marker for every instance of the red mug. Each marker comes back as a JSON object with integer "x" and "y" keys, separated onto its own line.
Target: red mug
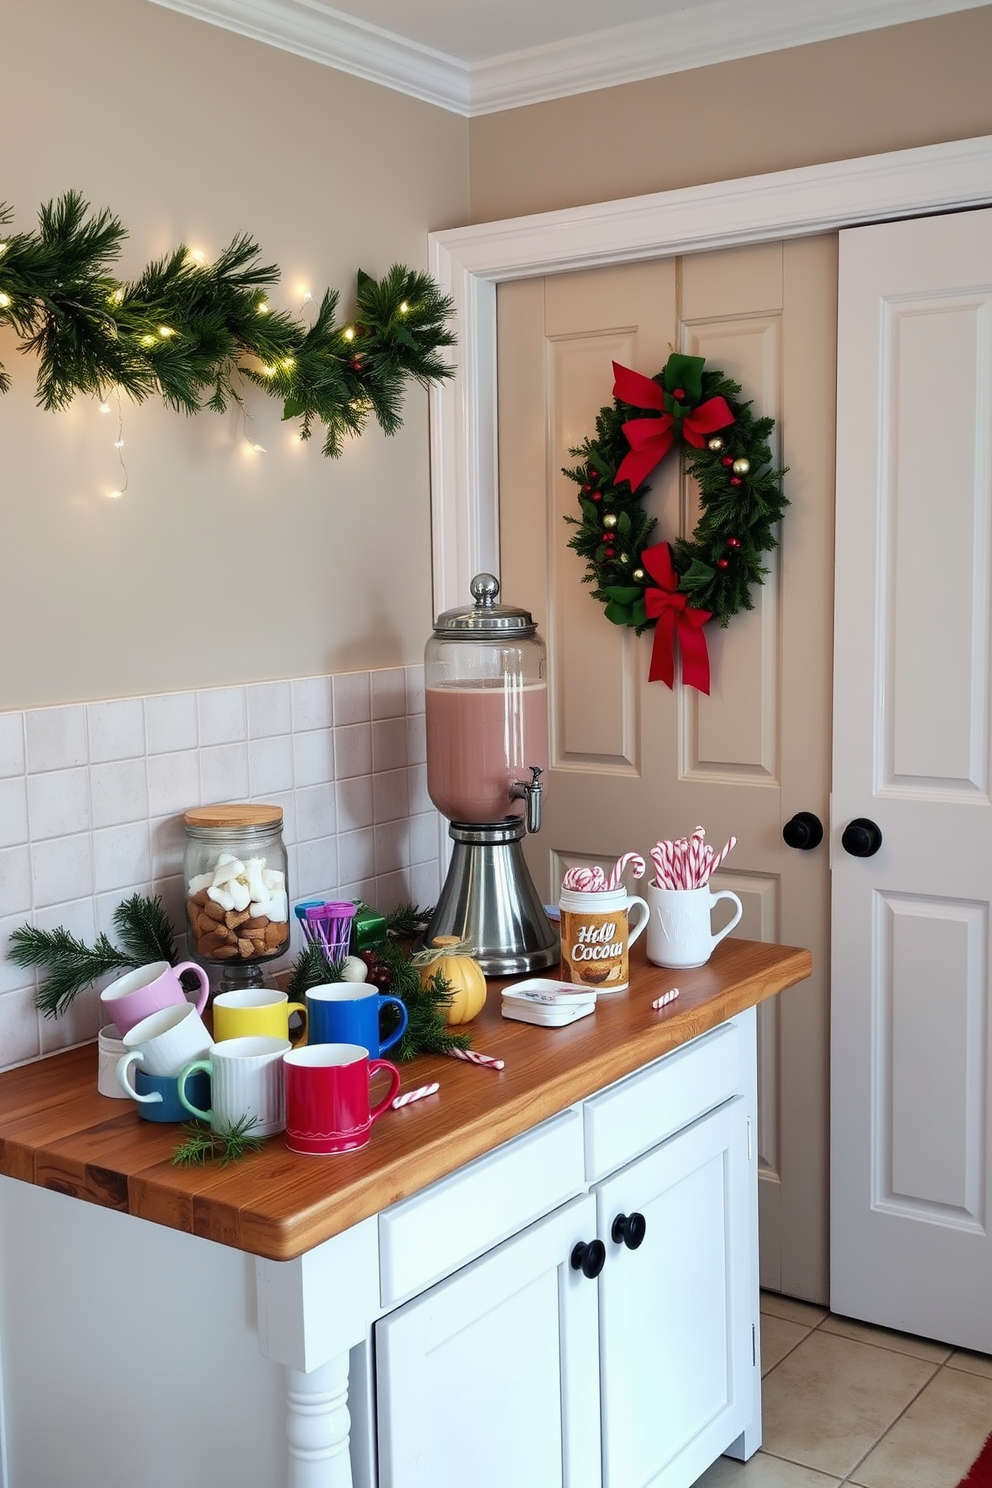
{"x": 327, "y": 1097}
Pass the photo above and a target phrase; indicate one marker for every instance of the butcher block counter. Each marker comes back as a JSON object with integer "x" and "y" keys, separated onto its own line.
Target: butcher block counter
{"x": 629, "y": 1120}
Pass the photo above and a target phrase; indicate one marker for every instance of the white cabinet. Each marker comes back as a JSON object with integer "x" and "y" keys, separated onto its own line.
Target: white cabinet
{"x": 520, "y": 1369}
{"x": 676, "y": 1335}
{"x": 492, "y": 1377}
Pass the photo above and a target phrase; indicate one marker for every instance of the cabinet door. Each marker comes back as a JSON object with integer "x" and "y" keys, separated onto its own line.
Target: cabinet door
{"x": 676, "y": 1314}
{"x": 492, "y": 1377}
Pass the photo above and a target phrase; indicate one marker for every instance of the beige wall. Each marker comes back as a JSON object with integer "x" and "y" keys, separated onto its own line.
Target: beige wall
{"x": 882, "y": 90}
{"x": 216, "y": 567}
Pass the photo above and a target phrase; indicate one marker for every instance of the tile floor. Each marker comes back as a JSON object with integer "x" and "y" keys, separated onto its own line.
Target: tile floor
{"x": 847, "y": 1403}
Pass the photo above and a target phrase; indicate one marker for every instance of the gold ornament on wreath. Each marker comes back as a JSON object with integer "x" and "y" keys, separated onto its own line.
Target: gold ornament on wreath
{"x": 676, "y": 587}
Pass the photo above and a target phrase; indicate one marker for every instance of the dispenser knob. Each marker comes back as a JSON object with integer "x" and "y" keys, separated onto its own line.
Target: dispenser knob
{"x": 589, "y": 1257}
{"x": 484, "y": 588}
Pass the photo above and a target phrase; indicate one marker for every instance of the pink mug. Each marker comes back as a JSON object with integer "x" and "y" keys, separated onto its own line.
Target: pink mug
{"x": 138, "y": 994}
{"x": 327, "y": 1097}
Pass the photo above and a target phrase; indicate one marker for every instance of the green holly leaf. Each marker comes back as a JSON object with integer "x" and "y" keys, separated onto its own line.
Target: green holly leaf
{"x": 619, "y": 614}
{"x": 623, "y": 602}
{"x": 697, "y": 574}
{"x": 685, "y": 372}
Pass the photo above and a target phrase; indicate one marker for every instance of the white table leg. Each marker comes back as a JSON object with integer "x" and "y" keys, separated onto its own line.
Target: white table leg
{"x": 318, "y": 1426}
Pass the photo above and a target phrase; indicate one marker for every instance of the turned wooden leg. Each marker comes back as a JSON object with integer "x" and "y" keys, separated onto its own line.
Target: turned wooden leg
{"x": 318, "y": 1426}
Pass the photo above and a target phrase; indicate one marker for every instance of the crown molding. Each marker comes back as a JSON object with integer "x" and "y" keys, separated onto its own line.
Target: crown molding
{"x": 706, "y": 32}
{"x": 315, "y": 31}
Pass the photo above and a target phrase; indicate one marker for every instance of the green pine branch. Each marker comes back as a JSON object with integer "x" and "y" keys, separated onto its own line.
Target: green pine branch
{"x": 230, "y": 1144}
{"x": 72, "y": 966}
{"x": 190, "y": 333}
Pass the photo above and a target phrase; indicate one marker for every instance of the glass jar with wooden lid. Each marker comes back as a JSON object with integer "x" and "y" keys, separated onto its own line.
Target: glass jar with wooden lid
{"x": 237, "y": 893}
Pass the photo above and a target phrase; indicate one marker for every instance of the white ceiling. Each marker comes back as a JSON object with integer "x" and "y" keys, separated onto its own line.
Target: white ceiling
{"x": 480, "y": 56}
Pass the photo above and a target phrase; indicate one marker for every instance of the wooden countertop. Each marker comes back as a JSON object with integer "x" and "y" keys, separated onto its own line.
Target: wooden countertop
{"x": 57, "y": 1131}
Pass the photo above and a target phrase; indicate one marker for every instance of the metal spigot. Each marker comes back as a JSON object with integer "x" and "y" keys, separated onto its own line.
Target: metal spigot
{"x": 530, "y": 791}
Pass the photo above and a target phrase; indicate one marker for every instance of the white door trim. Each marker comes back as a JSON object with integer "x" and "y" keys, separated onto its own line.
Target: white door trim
{"x": 469, "y": 262}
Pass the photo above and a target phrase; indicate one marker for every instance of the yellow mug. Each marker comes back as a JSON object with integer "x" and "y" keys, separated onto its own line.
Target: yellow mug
{"x": 256, "y": 1012}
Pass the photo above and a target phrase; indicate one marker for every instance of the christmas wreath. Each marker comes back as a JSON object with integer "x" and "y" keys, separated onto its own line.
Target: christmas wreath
{"x": 676, "y": 587}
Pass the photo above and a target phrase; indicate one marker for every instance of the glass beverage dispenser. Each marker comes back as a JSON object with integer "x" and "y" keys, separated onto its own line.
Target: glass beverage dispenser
{"x": 487, "y": 746}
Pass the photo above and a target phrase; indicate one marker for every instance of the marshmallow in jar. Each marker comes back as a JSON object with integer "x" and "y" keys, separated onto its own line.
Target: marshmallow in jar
{"x": 237, "y": 896}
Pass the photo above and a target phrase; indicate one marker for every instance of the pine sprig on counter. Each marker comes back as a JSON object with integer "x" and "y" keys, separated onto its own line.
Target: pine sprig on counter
{"x": 408, "y": 920}
{"x": 228, "y": 1145}
{"x": 72, "y": 966}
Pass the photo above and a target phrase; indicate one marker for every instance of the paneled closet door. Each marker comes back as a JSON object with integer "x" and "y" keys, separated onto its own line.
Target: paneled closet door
{"x": 631, "y": 761}
{"x": 912, "y": 1057}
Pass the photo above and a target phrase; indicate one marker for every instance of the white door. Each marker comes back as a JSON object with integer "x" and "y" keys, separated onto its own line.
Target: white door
{"x": 911, "y": 1160}
{"x": 678, "y": 1344}
{"x": 632, "y": 762}
{"x": 492, "y": 1377}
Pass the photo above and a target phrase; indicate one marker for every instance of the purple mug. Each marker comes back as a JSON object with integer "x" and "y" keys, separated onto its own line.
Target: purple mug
{"x": 147, "y": 990}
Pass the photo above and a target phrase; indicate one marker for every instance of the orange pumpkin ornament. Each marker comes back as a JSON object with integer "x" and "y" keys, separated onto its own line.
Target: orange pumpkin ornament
{"x": 463, "y": 974}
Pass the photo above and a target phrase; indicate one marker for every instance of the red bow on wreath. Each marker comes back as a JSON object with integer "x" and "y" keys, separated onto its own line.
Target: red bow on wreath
{"x": 677, "y": 621}
{"x": 650, "y": 439}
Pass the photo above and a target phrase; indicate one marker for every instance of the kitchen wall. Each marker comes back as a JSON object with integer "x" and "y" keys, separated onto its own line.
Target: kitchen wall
{"x": 890, "y": 89}
{"x": 239, "y": 625}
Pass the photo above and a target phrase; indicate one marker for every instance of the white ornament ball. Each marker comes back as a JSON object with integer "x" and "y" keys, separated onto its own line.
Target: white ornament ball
{"x": 354, "y": 969}
{"x": 716, "y": 443}
{"x": 741, "y": 467}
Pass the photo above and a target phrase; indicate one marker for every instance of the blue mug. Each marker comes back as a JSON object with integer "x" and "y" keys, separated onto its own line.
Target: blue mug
{"x": 158, "y": 1097}
{"x": 348, "y": 1013}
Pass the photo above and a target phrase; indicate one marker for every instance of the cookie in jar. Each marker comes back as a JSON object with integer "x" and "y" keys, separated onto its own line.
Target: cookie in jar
{"x": 237, "y": 896}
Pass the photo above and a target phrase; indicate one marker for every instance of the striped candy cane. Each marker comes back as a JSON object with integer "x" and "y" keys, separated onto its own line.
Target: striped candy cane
{"x": 665, "y": 999}
{"x": 470, "y": 1057}
{"x": 409, "y": 1096}
{"x": 584, "y": 880}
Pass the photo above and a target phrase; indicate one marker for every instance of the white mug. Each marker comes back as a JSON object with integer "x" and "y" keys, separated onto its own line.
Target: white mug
{"x": 110, "y": 1050}
{"x": 246, "y": 1079}
{"x": 163, "y": 1042}
{"x": 680, "y": 933}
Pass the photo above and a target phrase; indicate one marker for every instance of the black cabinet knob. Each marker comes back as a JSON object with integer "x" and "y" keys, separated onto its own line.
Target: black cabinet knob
{"x": 629, "y": 1230}
{"x": 589, "y": 1257}
{"x": 804, "y": 831}
{"x": 861, "y": 838}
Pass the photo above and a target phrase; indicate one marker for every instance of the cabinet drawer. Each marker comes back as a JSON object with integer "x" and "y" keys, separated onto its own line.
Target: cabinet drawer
{"x": 432, "y": 1233}
{"x": 644, "y": 1109}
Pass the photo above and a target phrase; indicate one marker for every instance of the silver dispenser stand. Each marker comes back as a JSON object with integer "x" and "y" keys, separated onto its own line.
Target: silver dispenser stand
{"x": 489, "y": 899}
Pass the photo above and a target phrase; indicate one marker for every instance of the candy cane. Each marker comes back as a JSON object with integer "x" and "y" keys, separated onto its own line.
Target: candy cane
{"x": 629, "y": 860}
{"x": 584, "y": 880}
{"x": 668, "y": 997}
{"x": 470, "y": 1057}
{"x": 415, "y": 1095}
{"x": 728, "y": 847}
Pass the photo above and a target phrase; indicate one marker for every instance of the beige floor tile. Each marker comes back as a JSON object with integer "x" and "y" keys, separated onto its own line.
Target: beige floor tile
{"x": 792, "y": 1310}
{"x": 763, "y": 1472}
{"x": 831, "y": 1400}
{"x": 971, "y": 1363}
{"x": 936, "y": 1441}
{"x": 902, "y": 1343}
{"x": 778, "y": 1338}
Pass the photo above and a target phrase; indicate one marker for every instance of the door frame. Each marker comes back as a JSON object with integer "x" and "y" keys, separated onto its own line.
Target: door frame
{"x": 469, "y": 262}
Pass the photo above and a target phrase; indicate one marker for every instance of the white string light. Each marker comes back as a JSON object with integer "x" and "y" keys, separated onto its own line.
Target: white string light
{"x": 105, "y": 407}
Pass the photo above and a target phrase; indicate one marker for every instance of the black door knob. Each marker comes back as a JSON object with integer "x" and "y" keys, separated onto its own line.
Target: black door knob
{"x": 804, "y": 831}
{"x": 861, "y": 838}
{"x": 629, "y": 1230}
{"x": 589, "y": 1257}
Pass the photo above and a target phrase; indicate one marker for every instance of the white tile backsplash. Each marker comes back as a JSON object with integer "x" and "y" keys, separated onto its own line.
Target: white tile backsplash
{"x": 92, "y": 797}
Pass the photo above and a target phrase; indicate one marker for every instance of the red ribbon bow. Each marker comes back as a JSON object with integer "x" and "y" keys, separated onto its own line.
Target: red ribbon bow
{"x": 650, "y": 439}
{"x": 677, "y": 621}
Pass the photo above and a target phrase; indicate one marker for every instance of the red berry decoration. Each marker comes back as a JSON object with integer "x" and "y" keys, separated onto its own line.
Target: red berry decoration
{"x": 593, "y": 474}
{"x": 723, "y": 563}
{"x": 356, "y": 364}
{"x": 381, "y": 976}
{"x": 679, "y": 394}
{"x": 371, "y": 958}
{"x": 735, "y": 480}
{"x": 597, "y": 496}
{"x": 586, "y": 490}
{"x": 733, "y": 542}
{"x": 727, "y": 460}
{"x": 610, "y": 552}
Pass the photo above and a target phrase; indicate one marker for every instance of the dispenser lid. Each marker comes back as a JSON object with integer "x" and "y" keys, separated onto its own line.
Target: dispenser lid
{"x": 485, "y": 617}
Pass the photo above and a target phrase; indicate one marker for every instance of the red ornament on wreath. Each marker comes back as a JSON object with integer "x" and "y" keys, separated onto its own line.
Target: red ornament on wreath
{"x": 677, "y": 587}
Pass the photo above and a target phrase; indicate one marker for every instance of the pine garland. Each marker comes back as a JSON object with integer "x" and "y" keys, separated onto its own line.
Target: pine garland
{"x": 183, "y": 329}
{"x": 146, "y": 935}
{"x": 230, "y": 1144}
